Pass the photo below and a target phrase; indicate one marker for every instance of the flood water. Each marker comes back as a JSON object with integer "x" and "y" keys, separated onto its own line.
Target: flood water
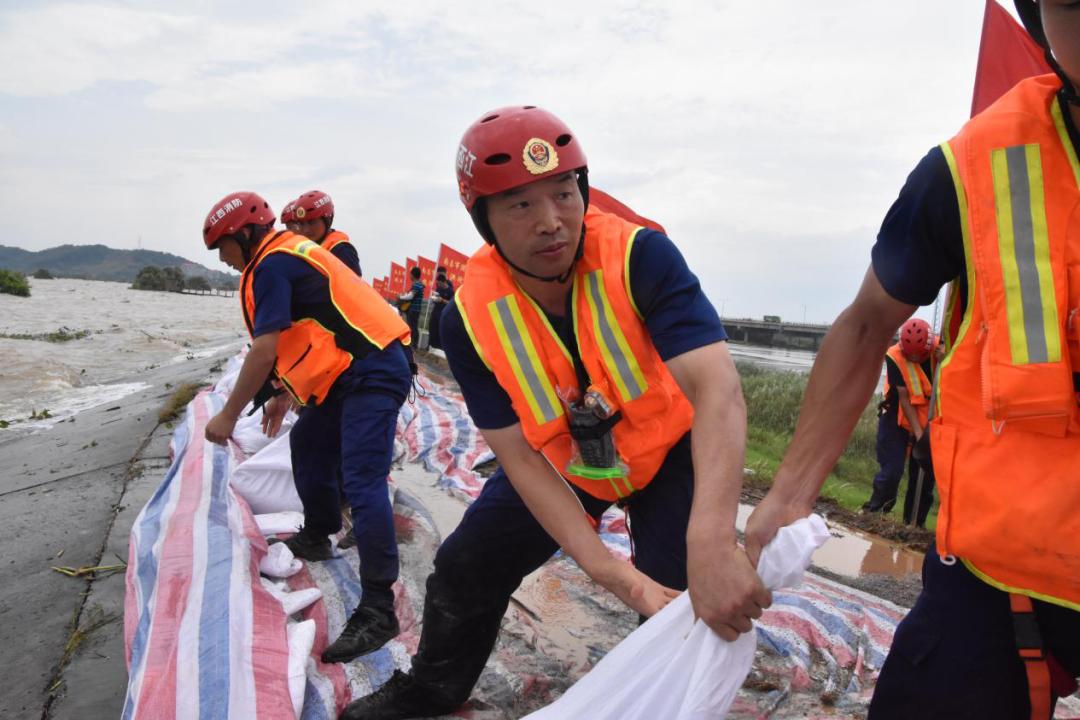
{"x": 852, "y": 553}
{"x": 130, "y": 331}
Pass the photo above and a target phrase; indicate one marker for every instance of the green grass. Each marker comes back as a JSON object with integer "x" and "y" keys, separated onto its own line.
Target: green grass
{"x": 773, "y": 399}
{"x": 175, "y": 404}
{"x": 64, "y": 334}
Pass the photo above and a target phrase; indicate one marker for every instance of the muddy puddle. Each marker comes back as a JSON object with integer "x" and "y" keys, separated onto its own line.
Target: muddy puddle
{"x": 854, "y": 554}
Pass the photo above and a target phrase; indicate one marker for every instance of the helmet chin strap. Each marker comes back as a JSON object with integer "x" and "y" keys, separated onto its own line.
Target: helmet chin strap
{"x": 561, "y": 278}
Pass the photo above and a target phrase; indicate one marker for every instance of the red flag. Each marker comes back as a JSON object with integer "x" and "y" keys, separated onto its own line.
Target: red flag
{"x": 397, "y": 279}
{"x": 410, "y": 263}
{"x": 1007, "y": 55}
{"x": 602, "y": 201}
{"x": 427, "y": 274}
{"x": 454, "y": 262}
{"x": 379, "y": 285}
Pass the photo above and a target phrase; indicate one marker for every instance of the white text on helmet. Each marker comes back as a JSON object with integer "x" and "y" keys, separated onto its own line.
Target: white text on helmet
{"x": 225, "y": 210}
{"x": 465, "y": 160}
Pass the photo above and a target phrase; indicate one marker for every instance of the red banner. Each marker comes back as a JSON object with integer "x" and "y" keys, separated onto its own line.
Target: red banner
{"x": 380, "y": 286}
{"x": 397, "y": 279}
{"x": 602, "y": 201}
{"x": 427, "y": 274}
{"x": 454, "y": 262}
{"x": 1007, "y": 55}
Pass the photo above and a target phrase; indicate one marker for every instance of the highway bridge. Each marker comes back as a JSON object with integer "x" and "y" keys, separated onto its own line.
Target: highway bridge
{"x": 774, "y": 333}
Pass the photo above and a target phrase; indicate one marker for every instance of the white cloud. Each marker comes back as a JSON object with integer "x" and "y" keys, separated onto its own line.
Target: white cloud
{"x": 769, "y": 138}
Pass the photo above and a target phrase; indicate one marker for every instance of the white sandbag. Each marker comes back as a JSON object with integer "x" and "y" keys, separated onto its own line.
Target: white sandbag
{"x": 265, "y": 479}
{"x": 292, "y": 602}
{"x": 676, "y": 667}
{"x": 279, "y": 562}
{"x": 249, "y": 435}
{"x": 279, "y": 522}
{"x": 227, "y": 381}
{"x": 301, "y": 640}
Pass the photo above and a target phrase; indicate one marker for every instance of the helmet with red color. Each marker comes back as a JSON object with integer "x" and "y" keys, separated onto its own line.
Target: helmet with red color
{"x": 288, "y": 213}
{"x": 233, "y": 212}
{"x": 313, "y": 204}
{"x": 513, "y": 146}
{"x": 915, "y": 339}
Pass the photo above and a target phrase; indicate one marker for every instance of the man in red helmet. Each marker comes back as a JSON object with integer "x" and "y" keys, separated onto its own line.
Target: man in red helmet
{"x": 333, "y": 343}
{"x": 586, "y": 351}
{"x": 314, "y": 212}
{"x": 288, "y": 217}
{"x": 995, "y": 632}
{"x": 902, "y": 418}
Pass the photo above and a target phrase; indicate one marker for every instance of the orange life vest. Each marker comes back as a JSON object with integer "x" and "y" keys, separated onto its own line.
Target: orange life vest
{"x": 315, "y": 350}
{"x": 918, "y": 386}
{"x": 1006, "y": 428}
{"x": 334, "y": 238}
{"x": 515, "y": 340}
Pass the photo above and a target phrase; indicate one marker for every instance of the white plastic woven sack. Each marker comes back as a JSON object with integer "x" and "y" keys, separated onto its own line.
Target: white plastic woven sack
{"x": 301, "y": 640}
{"x": 249, "y": 435}
{"x": 279, "y": 522}
{"x": 279, "y": 562}
{"x": 675, "y": 667}
{"x": 265, "y": 480}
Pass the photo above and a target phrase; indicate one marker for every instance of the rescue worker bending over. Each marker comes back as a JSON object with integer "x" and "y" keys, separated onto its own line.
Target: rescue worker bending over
{"x": 328, "y": 338}
{"x": 995, "y": 632}
{"x": 902, "y": 420}
{"x": 586, "y": 352}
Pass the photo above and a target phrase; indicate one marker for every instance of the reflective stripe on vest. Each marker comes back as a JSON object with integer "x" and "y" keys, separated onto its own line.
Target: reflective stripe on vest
{"x": 614, "y": 348}
{"x": 529, "y": 371}
{"x": 1025, "y": 255}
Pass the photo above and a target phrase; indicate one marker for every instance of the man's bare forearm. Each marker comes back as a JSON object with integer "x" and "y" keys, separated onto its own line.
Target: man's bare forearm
{"x": 845, "y": 374}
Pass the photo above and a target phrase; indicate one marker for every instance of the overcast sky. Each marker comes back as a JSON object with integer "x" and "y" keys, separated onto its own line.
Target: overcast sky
{"x": 768, "y": 137}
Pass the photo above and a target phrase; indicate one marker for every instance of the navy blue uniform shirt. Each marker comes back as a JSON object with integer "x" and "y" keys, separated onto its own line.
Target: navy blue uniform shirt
{"x": 346, "y": 253}
{"x": 677, "y": 314}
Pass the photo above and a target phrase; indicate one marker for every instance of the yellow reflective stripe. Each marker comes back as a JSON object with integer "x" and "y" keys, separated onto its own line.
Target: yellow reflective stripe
{"x": 1024, "y": 249}
{"x": 304, "y": 250}
{"x": 1018, "y": 590}
{"x": 468, "y": 328}
{"x": 626, "y": 271}
{"x": 914, "y": 383}
{"x": 969, "y": 266}
{"x": 622, "y": 366}
{"x": 547, "y": 324}
{"x": 524, "y": 360}
{"x": 1066, "y": 141}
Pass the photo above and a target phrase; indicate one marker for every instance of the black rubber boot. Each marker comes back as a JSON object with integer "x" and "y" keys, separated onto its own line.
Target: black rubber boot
{"x": 308, "y": 545}
{"x": 401, "y": 697}
{"x": 880, "y": 504}
{"x": 368, "y": 629}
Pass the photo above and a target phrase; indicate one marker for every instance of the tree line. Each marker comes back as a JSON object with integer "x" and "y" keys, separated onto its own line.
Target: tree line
{"x": 172, "y": 279}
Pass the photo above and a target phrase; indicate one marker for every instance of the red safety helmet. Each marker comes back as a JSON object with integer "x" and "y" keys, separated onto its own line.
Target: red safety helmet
{"x": 513, "y": 146}
{"x": 232, "y": 213}
{"x": 288, "y": 213}
{"x": 314, "y": 204}
{"x": 915, "y": 339}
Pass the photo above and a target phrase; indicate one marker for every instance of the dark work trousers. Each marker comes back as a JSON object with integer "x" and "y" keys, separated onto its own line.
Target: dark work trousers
{"x": 499, "y": 542}
{"x": 954, "y": 656}
{"x": 926, "y": 492}
{"x": 356, "y": 431}
{"x": 892, "y": 457}
{"x": 413, "y": 319}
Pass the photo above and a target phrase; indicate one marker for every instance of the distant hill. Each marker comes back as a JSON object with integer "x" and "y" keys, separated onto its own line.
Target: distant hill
{"x": 98, "y": 262}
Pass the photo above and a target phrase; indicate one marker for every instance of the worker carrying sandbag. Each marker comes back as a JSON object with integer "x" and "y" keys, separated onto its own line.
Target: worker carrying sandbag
{"x": 995, "y": 632}
{"x": 588, "y": 355}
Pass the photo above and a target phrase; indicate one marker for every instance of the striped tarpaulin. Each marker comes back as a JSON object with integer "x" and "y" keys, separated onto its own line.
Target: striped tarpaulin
{"x": 202, "y": 637}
